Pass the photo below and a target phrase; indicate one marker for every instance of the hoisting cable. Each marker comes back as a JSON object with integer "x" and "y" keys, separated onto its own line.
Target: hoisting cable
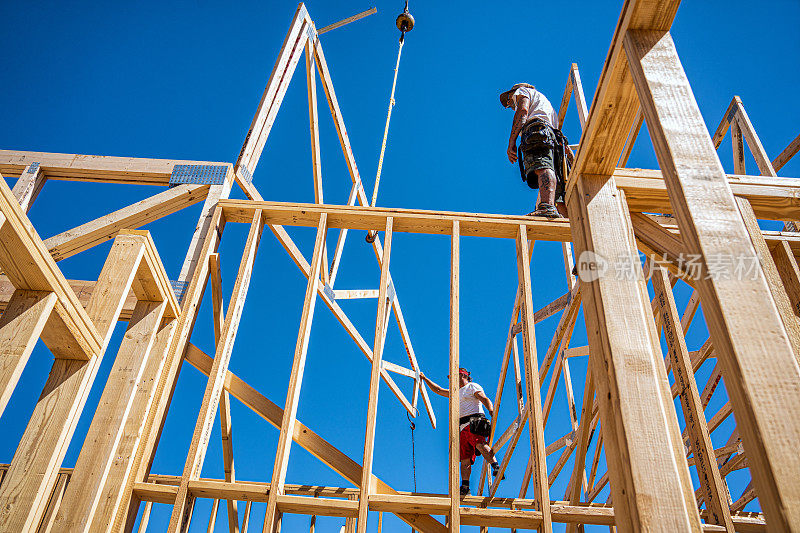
{"x": 404, "y": 23}
{"x": 413, "y": 451}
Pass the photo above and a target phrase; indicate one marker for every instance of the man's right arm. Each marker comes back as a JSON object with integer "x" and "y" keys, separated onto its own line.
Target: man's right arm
{"x": 441, "y": 391}
{"x": 521, "y": 111}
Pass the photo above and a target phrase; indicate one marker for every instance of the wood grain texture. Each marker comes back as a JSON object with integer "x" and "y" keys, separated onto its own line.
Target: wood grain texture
{"x": 761, "y": 372}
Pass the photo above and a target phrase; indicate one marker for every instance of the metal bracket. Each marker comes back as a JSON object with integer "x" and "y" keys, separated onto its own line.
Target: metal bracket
{"x": 390, "y": 294}
{"x": 179, "y": 288}
{"x": 245, "y": 173}
{"x": 328, "y": 291}
{"x": 33, "y": 167}
{"x": 198, "y": 174}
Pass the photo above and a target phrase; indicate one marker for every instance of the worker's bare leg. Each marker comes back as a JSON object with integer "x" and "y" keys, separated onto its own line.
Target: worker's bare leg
{"x": 547, "y": 186}
{"x": 466, "y": 470}
{"x": 486, "y": 452}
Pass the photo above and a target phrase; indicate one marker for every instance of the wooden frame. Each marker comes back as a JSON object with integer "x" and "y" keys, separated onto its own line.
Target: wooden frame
{"x": 626, "y": 412}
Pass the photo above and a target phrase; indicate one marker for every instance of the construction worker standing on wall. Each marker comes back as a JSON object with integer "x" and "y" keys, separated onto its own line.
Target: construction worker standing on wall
{"x": 474, "y": 428}
{"x": 541, "y": 150}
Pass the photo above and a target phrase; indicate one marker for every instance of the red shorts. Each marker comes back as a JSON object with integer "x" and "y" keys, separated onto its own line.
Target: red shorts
{"x": 467, "y": 441}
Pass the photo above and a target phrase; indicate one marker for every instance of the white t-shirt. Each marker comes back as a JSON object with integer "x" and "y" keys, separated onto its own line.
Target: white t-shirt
{"x": 538, "y": 107}
{"x": 468, "y": 403}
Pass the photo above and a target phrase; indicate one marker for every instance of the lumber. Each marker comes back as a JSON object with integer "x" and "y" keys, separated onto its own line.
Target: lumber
{"x": 384, "y": 301}
{"x": 535, "y": 417}
{"x": 761, "y": 372}
{"x": 105, "y": 228}
{"x": 99, "y": 168}
{"x": 69, "y": 333}
{"x": 786, "y": 154}
{"x": 295, "y": 379}
{"x": 348, "y": 20}
{"x": 208, "y": 409}
{"x": 406, "y": 220}
{"x": 454, "y": 463}
{"x": 20, "y": 326}
{"x": 303, "y": 436}
{"x": 713, "y": 489}
{"x": 28, "y": 186}
{"x": 34, "y": 469}
{"x": 97, "y": 455}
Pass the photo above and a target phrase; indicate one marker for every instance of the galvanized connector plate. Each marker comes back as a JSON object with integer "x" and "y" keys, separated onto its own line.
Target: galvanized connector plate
{"x": 198, "y": 174}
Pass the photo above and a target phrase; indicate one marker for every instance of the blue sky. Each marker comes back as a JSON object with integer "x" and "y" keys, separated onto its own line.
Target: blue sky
{"x": 182, "y": 80}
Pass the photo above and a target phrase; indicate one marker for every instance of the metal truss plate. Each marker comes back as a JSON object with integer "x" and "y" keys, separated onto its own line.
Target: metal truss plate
{"x": 179, "y": 288}
{"x": 33, "y": 167}
{"x": 328, "y": 291}
{"x": 198, "y": 174}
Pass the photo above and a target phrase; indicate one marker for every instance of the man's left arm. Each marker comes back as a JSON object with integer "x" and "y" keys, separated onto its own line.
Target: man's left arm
{"x": 521, "y": 111}
{"x": 486, "y": 402}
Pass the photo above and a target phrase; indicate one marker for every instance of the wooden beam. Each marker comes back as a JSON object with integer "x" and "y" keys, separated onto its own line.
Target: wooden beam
{"x": 28, "y": 186}
{"x": 97, "y": 455}
{"x": 713, "y": 489}
{"x": 405, "y": 220}
{"x": 535, "y": 418}
{"x": 584, "y": 435}
{"x": 348, "y": 20}
{"x": 789, "y": 273}
{"x": 454, "y": 462}
{"x": 304, "y": 437}
{"x": 295, "y": 379}
{"x": 226, "y": 430}
{"x": 20, "y": 327}
{"x": 33, "y": 472}
{"x": 208, "y": 409}
{"x": 761, "y": 372}
{"x": 786, "y": 154}
{"x": 69, "y": 333}
{"x": 632, "y": 403}
{"x": 99, "y": 168}
{"x": 384, "y": 301}
{"x": 271, "y": 100}
{"x": 105, "y": 228}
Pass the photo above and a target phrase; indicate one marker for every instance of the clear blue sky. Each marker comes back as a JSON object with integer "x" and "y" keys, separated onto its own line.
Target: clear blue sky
{"x": 182, "y": 80}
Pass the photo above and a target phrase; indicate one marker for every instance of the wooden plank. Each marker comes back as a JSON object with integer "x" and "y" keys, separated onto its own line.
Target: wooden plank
{"x": 577, "y": 92}
{"x": 105, "y": 228}
{"x": 20, "y": 327}
{"x": 772, "y": 276}
{"x": 46, "y": 525}
{"x": 761, "y": 372}
{"x": 28, "y": 186}
{"x": 98, "y": 452}
{"x": 789, "y": 273}
{"x": 144, "y": 437}
{"x": 24, "y": 259}
{"x": 374, "y": 382}
{"x": 405, "y": 220}
{"x": 584, "y": 435}
{"x": 535, "y": 417}
{"x": 208, "y": 409}
{"x": 348, "y": 20}
{"x": 34, "y": 469}
{"x": 100, "y": 168}
{"x": 614, "y": 105}
{"x": 454, "y": 463}
{"x": 786, "y": 154}
{"x": 713, "y": 489}
{"x": 226, "y": 430}
{"x": 650, "y": 485}
{"x": 272, "y": 98}
{"x": 771, "y": 198}
{"x": 304, "y": 437}
{"x": 118, "y": 483}
{"x": 295, "y": 380}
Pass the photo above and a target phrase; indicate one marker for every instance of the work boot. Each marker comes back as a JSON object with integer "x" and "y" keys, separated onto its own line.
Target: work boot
{"x": 464, "y": 489}
{"x": 545, "y": 210}
{"x": 496, "y": 470}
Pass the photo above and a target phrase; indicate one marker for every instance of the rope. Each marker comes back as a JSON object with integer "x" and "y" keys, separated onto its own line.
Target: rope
{"x": 386, "y": 128}
{"x": 412, "y": 426}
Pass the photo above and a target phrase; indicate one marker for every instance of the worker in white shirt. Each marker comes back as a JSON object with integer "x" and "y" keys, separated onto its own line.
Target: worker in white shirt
{"x": 474, "y": 428}
{"x": 542, "y": 147}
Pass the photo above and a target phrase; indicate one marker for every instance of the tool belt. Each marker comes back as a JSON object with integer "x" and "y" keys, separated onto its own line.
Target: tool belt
{"x": 478, "y": 424}
{"x": 538, "y": 135}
